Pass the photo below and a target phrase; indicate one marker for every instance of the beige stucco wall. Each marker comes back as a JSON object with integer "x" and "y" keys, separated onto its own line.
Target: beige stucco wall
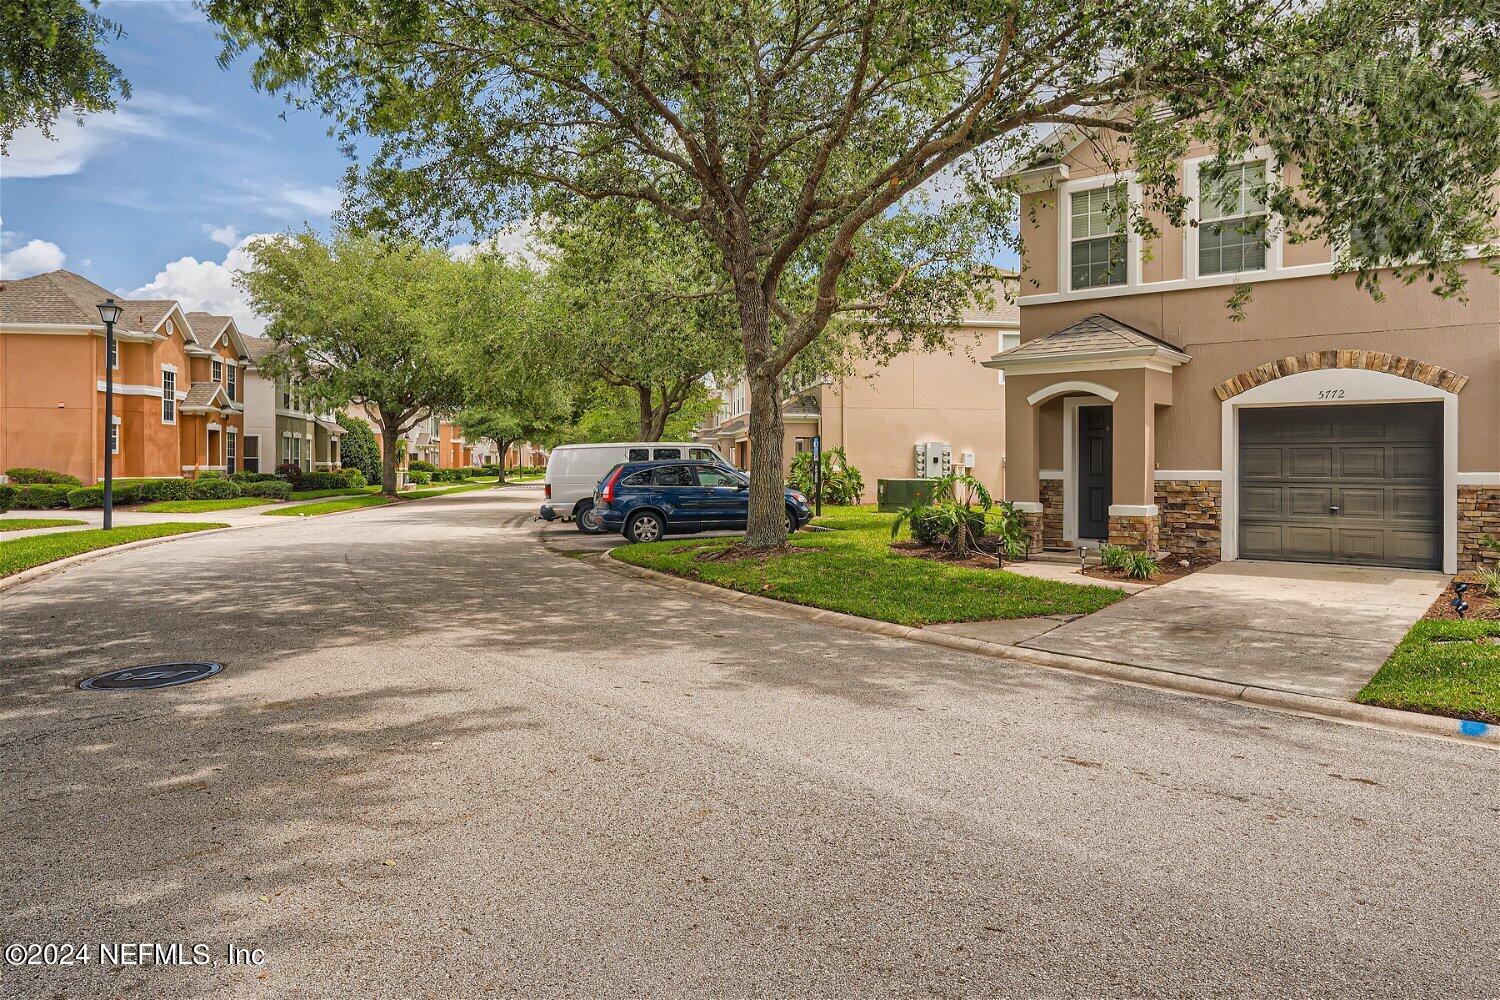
{"x": 881, "y": 413}
{"x": 1295, "y": 316}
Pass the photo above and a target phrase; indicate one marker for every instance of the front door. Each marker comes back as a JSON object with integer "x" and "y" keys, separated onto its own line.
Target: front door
{"x": 1095, "y": 469}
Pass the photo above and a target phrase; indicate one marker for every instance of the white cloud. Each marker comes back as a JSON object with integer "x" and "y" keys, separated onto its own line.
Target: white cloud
{"x": 227, "y": 235}
{"x": 34, "y": 257}
{"x": 31, "y": 154}
{"x": 208, "y": 286}
{"x": 320, "y": 200}
{"x": 519, "y": 243}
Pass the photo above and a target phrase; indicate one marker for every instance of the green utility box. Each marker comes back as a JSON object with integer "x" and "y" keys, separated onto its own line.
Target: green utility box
{"x": 892, "y": 495}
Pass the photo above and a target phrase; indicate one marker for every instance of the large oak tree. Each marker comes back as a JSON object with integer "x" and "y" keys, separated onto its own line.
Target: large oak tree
{"x": 792, "y": 132}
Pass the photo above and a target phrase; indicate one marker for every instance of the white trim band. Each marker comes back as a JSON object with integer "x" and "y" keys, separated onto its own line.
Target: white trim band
{"x": 1134, "y": 510}
{"x": 1479, "y": 479}
{"x": 1027, "y": 506}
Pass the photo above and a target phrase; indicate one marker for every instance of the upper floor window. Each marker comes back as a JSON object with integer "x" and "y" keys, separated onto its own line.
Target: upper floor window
{"x": 231, "y": 380}
{"x": 286, "y": 397}
{"x": 1097, "y": 237}
{"x": 218, "y": 370}
{"x": 1232, "y": 221}
{"x": 114, "y": 354}
{"x": 168, "y": 396}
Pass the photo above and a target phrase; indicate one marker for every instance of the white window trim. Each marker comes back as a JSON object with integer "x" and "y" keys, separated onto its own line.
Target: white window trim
{"x": 115, "y": 365}
{"x": 231, "y": 446}
{"x": 1065, "y": 194}
{"x": 175, "y": 398}
{"x": 117, "y": 427}
{"x": 1274, "y": 235}
{"x": 1358, "y": 386}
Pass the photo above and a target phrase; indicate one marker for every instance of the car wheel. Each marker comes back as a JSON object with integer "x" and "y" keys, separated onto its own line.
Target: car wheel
{"x": 791, "y": 523}
{"x": 587, "y": 521}
{"x": 646, "y": 526}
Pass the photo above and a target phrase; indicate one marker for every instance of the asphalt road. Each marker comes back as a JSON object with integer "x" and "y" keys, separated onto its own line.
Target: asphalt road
{"x": 444, "y": 761}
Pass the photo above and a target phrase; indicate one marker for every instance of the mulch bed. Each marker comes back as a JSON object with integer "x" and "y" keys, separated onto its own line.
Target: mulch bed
{"x": 1483, "y": 606}
{"x": 1168, "y": 568}
{"x": 980, "y": 560}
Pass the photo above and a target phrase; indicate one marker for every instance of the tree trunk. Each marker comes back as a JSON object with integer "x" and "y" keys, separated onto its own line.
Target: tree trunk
{"x": 647, "y": 414}
{"x": 504, "y": 447}
{"x": 766, "y": 527}
{"x": 388, "y": 437}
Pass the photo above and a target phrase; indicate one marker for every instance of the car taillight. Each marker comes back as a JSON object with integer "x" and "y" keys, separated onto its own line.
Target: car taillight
{"x": 608, "y": 492}
{"x": 547, "y": 491}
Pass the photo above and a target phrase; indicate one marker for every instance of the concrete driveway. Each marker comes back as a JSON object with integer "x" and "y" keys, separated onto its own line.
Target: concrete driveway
{"x": 1320, "y": 630}
{"x": 443, "y": 761}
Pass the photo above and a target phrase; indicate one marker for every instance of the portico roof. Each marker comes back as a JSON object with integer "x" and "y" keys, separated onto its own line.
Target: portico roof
{"x": 1096, "y": 340}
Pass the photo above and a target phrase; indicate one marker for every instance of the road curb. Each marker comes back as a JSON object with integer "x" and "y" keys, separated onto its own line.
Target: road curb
{"x": 58, "y": 565}
{"x": 1347, "y": 712}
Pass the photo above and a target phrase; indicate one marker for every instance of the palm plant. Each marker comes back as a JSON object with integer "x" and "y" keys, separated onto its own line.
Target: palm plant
{"x": 951, "y": 514}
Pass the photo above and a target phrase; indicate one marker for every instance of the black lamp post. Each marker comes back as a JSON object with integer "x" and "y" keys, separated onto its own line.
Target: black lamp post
{"x": 109, "y": 312}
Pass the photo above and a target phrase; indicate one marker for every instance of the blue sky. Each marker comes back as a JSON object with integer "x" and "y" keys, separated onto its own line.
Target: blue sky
{"x": 157, "y": 195}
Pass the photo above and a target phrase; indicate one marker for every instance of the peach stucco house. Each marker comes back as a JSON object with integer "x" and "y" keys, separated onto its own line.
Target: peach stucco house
{"x": 937, "y": 407}
{"x": 178, "y": 383}
{"x": 1323, "y": 427}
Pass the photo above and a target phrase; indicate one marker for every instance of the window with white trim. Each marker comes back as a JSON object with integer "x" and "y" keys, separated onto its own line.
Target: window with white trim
{"x": 252, "y": 452}
{"x": 168, "y": 396}
{"x": 1096, "y": 237}
{"x": 114, "y": 354}
{"x": 286, "y": 448}
{"x": 231, "y": 384}
{"x": 1232, "y": 220}
{"x": 333, "y": 450}
{"x": 231, "y": 449}
{"x": 114, "y": 436}
{"x": 218, "y": 371}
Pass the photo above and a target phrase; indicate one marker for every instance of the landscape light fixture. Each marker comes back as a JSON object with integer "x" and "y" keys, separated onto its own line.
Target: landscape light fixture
{"x": 109, "y": 312}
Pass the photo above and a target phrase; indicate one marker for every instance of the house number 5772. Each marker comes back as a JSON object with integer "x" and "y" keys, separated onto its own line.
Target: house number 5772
{"x": 1330, "y": 393}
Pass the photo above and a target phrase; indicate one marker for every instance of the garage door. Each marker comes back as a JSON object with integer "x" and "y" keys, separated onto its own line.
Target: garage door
{"x": 1343, "y": 484}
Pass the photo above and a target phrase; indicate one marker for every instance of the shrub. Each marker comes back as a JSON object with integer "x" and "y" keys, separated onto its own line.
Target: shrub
{"x": 41, "y": 477}
{"x": 271, "y": 489}
{"x": 86, "y": 497}
{"x": 417, "y": 465}
{"x": 343, "y": 479}
{"x": 419, "y": 478}
{"x": 213, "y": 489}
{"x": 842, "y": 483}
{"x": 210, "y": 474}
{"x": 952, "y": 517}
{"x": 291, "y": 472}
{"x": 7, "y": 497}
{"x": 357, "y": 480}
{"x": 357, "y": 449}
{"x": 1139, "y": 565}
{"x": 255, "y": 477}
{"x": 42, "y": 496}
{"x": 1008, "y": 525}
{"x": 1113, "y": 556}
{"x": 164, "y": 489}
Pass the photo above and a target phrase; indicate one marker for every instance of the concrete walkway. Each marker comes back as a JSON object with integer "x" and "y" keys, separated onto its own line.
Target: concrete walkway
{"x": 1309, "y": 629}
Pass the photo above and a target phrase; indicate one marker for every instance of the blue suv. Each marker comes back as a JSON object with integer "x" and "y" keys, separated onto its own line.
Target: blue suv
{"x": 646, "y": 500}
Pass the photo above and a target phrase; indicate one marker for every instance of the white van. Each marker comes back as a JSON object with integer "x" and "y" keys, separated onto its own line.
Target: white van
{"x": 574, "y": 470}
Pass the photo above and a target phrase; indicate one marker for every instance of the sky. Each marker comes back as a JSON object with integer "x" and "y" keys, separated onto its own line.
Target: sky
{"x": 156, "y": 200}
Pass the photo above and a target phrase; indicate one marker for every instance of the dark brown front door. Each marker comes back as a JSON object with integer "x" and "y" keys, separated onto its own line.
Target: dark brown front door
{"x": 1095, "y": 470}
{"x": 1343, "y": 484}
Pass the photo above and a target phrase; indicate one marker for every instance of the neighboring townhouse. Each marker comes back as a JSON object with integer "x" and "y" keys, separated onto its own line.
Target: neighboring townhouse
{"x": 451, "y": 451}
{"x": 1322, "y": 427}
{"x": 282, "y": 426}
{"x": 177, "y": 407}
{"x": 922, "y": 414}
{"x": 525, "y": 455}
{"x": 424, "y": 440}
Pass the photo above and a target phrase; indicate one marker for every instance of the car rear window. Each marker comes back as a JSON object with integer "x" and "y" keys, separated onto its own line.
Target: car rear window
{"x": 673, "y": 475}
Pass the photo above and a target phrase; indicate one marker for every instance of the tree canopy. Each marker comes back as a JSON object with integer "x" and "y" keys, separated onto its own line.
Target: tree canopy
{"x": 52, "y": 63}
{"x": 793, "y": 135}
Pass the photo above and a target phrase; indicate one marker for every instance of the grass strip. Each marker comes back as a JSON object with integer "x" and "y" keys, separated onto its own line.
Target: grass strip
{"x": 27, "y": 523}
{"x": 19, "y": 554}
{"x": 1444, "y": 668}
{"x": 200, "y": 506}
{"x": 854, "y": 570}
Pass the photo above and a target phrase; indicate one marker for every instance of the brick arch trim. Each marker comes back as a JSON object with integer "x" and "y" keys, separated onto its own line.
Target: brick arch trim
{"x": 1375, "y": 361}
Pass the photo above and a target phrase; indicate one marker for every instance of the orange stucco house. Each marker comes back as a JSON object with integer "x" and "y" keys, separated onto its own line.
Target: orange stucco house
{"x": 179, "y": 381}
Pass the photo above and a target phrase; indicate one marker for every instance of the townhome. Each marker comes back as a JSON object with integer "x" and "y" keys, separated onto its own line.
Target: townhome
{"x": 1324, "y": 426}
{"x": 922, "y": 414}
{"x": 177, "y": 410}
{"x": 282, "y": 426}
{"x": 451, "y": 451}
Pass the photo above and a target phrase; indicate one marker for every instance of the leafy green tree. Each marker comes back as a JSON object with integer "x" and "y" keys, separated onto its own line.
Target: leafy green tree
{"x": 794, "y": 135}
{"x": 358, "y": 449}
{"x": 647, "y": 311}
{"x": 356, "y": 320}
{"x": 52, "y": 63}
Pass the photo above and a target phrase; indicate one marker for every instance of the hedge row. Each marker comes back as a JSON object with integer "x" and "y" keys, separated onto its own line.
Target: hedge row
{"x": 32, "y": 477}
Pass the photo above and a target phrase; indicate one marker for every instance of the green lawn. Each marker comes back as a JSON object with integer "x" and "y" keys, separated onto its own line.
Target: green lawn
{"x": 343, "y": 492}
{"x": 434, "y": 491}
{"x": 34, "y": 550}
{"x": 854, "y": 570}
{"x": 24, "y": 523}
{"x": 1442, "y": 667}
{"x": 536, "y": 478}
{"x": 198, "y": 506}
{"x": 327, "y": 506}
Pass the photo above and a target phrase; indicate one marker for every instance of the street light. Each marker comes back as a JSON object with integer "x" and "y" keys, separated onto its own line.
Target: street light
{"x": 109, "y": 312}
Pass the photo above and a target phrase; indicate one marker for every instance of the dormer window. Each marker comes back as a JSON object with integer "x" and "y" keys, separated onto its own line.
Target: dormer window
{"x": 1097, "y": 237}
{"x": 1232, "y": 221}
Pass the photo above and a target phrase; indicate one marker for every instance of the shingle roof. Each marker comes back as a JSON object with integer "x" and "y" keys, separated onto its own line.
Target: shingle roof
{"x": 206, "y": 327}
{"x": 69, "y": 299}
{"x": 1096, "y": 334}
{"x": 201, "y": 394}
{"x": 258, "y": 347}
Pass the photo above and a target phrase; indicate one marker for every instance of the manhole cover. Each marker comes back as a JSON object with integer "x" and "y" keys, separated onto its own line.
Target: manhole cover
{"x": 154, "y": 675}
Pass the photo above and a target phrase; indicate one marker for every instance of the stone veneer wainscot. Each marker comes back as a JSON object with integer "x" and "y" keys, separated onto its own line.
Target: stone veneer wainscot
{"x": 1191, "y": 517}
{"x": 1478, "y": 516}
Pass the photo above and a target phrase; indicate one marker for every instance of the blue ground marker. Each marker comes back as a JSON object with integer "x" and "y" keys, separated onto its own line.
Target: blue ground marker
{"x": 1471, "y": 728}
